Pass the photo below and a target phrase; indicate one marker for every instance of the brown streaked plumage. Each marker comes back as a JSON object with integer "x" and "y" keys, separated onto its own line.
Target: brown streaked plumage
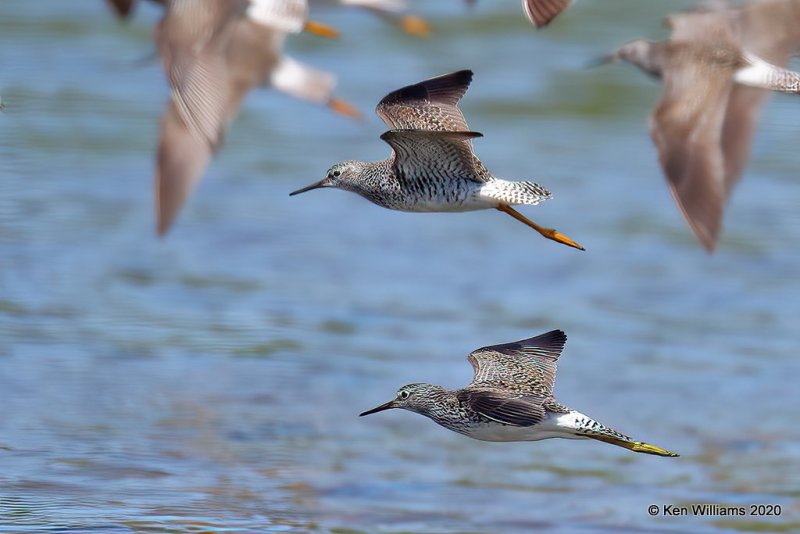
{"x": 714, "y": 73}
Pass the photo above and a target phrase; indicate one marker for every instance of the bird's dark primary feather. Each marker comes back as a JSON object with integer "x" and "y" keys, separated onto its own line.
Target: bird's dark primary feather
{"x": 498, "y": 405}
{"x": 428, "y": 105}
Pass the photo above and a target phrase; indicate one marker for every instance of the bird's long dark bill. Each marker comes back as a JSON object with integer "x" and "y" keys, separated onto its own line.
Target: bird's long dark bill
{"x": 380, "y": 408}
{"x": 308, "y": 188}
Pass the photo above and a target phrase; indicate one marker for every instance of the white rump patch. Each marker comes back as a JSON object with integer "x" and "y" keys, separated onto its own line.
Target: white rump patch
{"x": 302, "y": 81}
{"x": 758, "y": 73}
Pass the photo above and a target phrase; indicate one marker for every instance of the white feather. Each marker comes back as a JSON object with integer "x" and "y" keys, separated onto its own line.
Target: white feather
{"x": 758, "y": 73}
{"x": 285, "y": 15}
{"x": 302, "y": 81}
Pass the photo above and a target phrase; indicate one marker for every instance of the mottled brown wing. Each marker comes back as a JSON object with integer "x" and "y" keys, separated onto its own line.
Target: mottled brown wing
{"x": 541, "y": 12}
{"x": 503, "y": 407}
{"x": 428, "y": 105}
{"x": 423, "y": 156}
{"x": 687, "y": 130}
{"x": 182, "y": 158}
{"x": 528, "y": 365}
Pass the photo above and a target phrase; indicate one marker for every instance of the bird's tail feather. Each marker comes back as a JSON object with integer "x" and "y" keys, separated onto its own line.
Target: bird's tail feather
{"x": 590, "y": 428}
{"x": 514, "y": 193}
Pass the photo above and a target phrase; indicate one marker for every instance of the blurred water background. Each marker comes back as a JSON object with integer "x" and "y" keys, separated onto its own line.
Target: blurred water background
{"x": 211, "y": 381}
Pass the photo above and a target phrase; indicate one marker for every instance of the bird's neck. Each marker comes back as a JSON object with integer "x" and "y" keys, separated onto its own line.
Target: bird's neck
{"x": 369, "y": 183}
{"x": 445, "y": 409}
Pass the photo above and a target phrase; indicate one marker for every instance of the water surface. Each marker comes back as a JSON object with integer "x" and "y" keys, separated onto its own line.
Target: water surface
{"x": 211, "y": 380}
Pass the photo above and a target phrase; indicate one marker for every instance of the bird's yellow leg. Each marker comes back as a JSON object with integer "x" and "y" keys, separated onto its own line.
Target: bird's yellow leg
{"x": 321, "y": 30}
{"x": 549, "y": 233}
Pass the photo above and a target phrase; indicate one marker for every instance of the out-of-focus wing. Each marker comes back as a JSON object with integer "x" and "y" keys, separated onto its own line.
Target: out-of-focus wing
{"x": 542, "y": 12}
{"x": 182, "y": 159}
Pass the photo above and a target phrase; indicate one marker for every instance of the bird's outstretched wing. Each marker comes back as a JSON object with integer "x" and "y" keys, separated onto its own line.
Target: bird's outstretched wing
{"x": 527, "y": 366}
{"x": 686, "y": 126}
{"x": 428, "y": 105}
{"x": 182, "y": 158}
{"x": 498, "y": 405}
{"x": 767, "y": 28}
{"x": 542, "y": 12}
{"x": 422, "y": 157}
{"x": 192, "y": 45}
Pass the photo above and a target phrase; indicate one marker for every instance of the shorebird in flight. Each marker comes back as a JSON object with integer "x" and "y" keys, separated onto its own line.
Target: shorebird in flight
{"x": 511, "y": 398}
{"x": 214, "y": 52}
{"x": 717, "y": 68}
{"x": 433, "y": 167}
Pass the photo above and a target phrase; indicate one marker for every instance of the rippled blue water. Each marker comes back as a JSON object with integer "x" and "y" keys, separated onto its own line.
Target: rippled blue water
{"x": 211, "y": 381}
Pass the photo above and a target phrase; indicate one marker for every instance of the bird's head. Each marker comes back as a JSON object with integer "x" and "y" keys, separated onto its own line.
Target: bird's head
{"x": 339, "y": 176}
{"x": 419, "y": 398}
{"x": 636, "y": 52}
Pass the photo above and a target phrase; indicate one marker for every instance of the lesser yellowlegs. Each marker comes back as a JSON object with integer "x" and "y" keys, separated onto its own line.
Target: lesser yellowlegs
{"x": 433, "y": 167}
{"x": 714, "y": 69}
{"x": 214, "y": 52}
{"x": 511, "y": 399}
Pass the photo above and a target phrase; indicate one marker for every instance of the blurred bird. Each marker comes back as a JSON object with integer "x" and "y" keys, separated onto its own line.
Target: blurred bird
{"x": 511, "y": 398}
{"x": 393, "y": 11}
{"x": 715, "y": 68}
{"x": 214, "y": 52}
{"x": 433, "y": 167}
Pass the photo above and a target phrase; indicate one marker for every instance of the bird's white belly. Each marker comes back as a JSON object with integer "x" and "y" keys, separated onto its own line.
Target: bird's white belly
{"x": 472, "y": 202}
{"x": 554, "y": 426}
{"x": 497, "y": 432}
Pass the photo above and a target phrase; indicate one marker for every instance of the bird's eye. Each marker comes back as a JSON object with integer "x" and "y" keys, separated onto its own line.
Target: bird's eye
{"x": 336, "y": 174}
{"x": 403, "y": 395}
